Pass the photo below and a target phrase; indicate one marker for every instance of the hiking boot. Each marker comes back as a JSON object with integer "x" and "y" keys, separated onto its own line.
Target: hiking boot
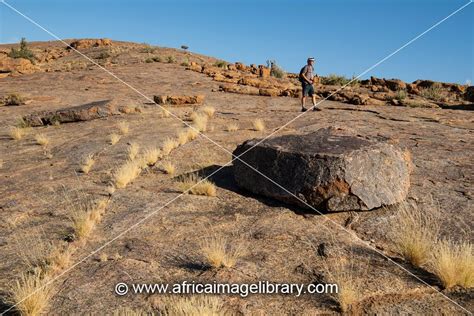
{"x": 304, "y": 109}
{"x": 316, "y": 108}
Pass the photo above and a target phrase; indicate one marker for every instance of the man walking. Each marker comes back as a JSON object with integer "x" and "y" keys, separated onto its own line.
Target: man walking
{"x": 306, "y": 77}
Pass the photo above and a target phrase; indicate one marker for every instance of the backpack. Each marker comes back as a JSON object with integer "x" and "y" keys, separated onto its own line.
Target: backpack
{"x": 300, "y": 77}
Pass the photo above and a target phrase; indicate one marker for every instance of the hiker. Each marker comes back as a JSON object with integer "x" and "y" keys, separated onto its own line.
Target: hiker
{"x": 306, "y": 78}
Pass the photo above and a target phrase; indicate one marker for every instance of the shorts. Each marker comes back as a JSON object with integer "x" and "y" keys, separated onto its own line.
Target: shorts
{"x": 308, "y": 89}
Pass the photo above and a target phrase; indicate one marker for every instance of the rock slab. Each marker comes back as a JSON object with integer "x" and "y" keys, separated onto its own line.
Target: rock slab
{"x": 331, "y": 170}
{"x": 84, "y": 112}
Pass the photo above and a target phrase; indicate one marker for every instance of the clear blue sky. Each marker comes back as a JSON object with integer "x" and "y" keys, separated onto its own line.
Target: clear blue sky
{"x": 345, "y": 36}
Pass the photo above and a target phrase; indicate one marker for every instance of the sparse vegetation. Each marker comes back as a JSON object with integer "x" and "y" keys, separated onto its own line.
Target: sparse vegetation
{"x": 191, "y": 133}
{"x": 348, "y": 289}
{"x": 31, "y": 293}
{"x": 184, "y": 47}
{"x": 337, "y": 80}
{"x": 168, "y": 168}
{"x": 155, "y": 59}
{"x": 22, "y": 52}
{"x": 258, "y": 125}
{"x": 103, "y": 55}
{"x": 220, "y": 64}
{"x": 208, "y": 110}
{"x": 148, "y": 49}
{"x": 13, "y": 99}
{"x": 127, "y": 173}
{"x": 133, "y": 151}
{"x": 17, "y": 133}
{"x": 433, "y": 93}
{"x": 170, "y": 59}
{"x": 123, "y": 127}
{"x": 191, "y": 305}
{"x": 42, "y": 139}
{"x": 275, "y": 70}
{"x": 199, "y": 121}
{"x": 182, "y": 137}
{"x": 165, "y": 112}
{"x": 415, "y": 233}
{"x": 151, "y": 156}
{"x": 453, "y": 263}
{"x": 87, "y": 164}
{"x": 193, "y": 184}
{"x": 168, "y": 145}
{"x": 219, "y": 253}
{"x": 401, "y": 95}
{"x": 232, "y": 127}
{"x": 114, "y": 138}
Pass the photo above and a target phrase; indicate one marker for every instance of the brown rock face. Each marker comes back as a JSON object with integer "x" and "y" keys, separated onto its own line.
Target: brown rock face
{"x": 469, "y": 94}
{"x": 269, "y": 92}
{"x": 178, "y": 100}
{"x": 263, "y": 71}
{"x": 16, "y": 65}
{"x": 85, "y": 112}
{"x": 234, "y": 88}
{"x": 88, "y": 43}
{"x": 330, "y": 169}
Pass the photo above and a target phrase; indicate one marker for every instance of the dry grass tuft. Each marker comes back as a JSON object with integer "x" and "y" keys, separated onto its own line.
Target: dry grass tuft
{"x": 31, "y": 293}
{"x": 127, "y": 173}
{"x": 87, "y": 164}
{"x": 114, "y": 138}
{"x": 165, "y": 112}
{"x": 123, "y": 127}
{"x": 42, "y": 139}
{"x": 60, "y": 257}
{"x": 415, "y": 233}
{"x": 182, "y": 137}
{"x": 168, "y": 168}
{"x": 168, "y": 145}
{"x": 453, "y": 263}
{"x": 199, "y": 121}
{"x": 208, "y": 110}
{"x": 193, "y": 184}
{"x": 133, "y": 151}
{"x": 126, "y": 311}
{"x": 219, "y": 253}
{"x": 17, "y": 133}
{"x": 85, "y": 218}
{"x": 232, "y": 127}
{"x": 151, "y": 156}
{"x": 258, "y": 125}
{"x": 191, "y": 305}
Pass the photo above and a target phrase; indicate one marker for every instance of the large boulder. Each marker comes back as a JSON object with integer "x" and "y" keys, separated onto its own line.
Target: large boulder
{"x": 331, "y": 169}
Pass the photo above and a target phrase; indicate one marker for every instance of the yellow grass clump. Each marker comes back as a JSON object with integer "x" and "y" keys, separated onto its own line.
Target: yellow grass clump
{"x": 31, "y": 293}
{"x": 191, "y": 305}
{"x": 258, "y": 125}
{"x": 193, "y": 184}
{"x": 123, "y": 127}
{"x": 199, "y": 121}
{"x": 114, "y": 138}
{"x": 133, "y": 151}
{"x": 168, "y": 145}
{"x": 151, "y": 156}
{"x": 126, "y": 311}
{"x": 60, "y": 257}
{"x": 232, "y": 127}
{"x": 415, "y": 233}
{"x": 17, "y": 133}
{"x": 168, "y": 168}
{"x": 42, "y": 139}
{"x": 127, "y": 173}
{"x": 208, "y": 110}
{"x": 165, "y": 112}
{"x": 219, "y": 253}
{"x": 182, "y": 137}
{"x": 192, "y": 133}
{"x": 453, "y": 263}
{"x": 87, "y": 164}
{"x": 84, "y": 220}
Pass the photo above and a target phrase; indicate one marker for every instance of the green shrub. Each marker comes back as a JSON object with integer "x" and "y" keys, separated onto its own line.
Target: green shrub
{"x": 23, "y": 52}
{"x": 185, "y": 47}
{"x": 433, "y": 92}
{"x": 220, "y": 64}
{"x": 171, "y": 59}
{"x": 275, "y": 70}
{"x": 148, "y": 49}
{"x": 185, "y": 63}
{"x": 401, "y": 95}
{"x": 103, "y": 55}
{"x": 334, "y": 79}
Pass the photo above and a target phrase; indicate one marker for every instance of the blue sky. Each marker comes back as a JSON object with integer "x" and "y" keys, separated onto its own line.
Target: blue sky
{"x": 345, "y": 36}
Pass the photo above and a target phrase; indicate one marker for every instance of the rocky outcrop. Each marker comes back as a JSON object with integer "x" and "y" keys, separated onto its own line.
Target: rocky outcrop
{"x": 85, "y": 112}
{"x": 469, "y": 94}
{"x": 89, "y": 43}
{"x": 330, "y": 169}
{"x": 11, "y": 66}
{"x": 178, "y": 100}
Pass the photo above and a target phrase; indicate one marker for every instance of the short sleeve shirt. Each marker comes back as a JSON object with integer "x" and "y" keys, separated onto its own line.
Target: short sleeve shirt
{"x": 308, "y": 72}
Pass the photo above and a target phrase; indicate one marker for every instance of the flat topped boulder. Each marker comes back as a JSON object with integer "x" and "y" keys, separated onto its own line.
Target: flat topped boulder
{"x": 331, "y": 170}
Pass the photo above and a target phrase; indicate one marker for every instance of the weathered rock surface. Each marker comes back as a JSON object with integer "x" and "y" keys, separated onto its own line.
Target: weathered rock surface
{"x": 330, "y": 169}
{"x": 85, "y": 112}
{"x": 178, "y": 100}
{"x": 88, "y": 43}
{"x": 469, "y": 94}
